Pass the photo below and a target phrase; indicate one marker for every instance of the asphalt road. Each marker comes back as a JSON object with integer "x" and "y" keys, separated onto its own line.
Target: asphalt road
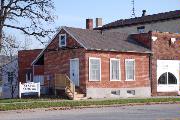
{"x": 143, "y": 112}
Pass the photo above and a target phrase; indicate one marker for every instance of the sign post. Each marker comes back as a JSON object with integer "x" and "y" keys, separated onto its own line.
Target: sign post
{"x": 29, "y": 88}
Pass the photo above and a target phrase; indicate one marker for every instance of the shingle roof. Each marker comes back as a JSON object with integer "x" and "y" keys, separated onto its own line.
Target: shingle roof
{"x": 106, "y": 40}
{"x": 101, "y": 40}
{"x": 143, "y": 19}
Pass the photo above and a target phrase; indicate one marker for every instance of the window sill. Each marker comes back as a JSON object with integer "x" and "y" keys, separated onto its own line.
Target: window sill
{"x": 62, "y": 46}
{"x": 167, "y": 84}
{"x": 115, "y": 80}
{"x": 94, "y": 80}
{"x": 130, "y": 80}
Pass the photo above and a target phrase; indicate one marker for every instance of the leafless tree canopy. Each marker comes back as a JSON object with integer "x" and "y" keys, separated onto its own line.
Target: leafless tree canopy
{"x": 28, "y": 16}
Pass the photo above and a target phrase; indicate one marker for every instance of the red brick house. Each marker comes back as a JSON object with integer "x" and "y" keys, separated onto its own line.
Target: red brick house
{"x": 104, "y": 62}
{"x": 100, "y": 63}
{"x": 165, "y": 61}
{"x": 26, "y": 71}
{"x": 25, "y": 58}
{"x": 164, "y": 45}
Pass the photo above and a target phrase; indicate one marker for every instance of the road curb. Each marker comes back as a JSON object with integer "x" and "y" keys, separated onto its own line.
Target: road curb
{"x": 114, "y": 105}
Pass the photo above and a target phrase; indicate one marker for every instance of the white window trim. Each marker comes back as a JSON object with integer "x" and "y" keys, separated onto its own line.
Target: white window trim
{"x": 94, "y": 58}
{"x": 60, "y": 40}
{"x": 119, "y": 69}
{"x": 134, "y": 70}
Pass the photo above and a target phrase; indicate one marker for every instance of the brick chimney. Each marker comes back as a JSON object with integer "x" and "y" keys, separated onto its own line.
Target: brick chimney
{"x": 98, "y": 22}
{"x": 89, "y": 24}
{"x": 143, "y": 13}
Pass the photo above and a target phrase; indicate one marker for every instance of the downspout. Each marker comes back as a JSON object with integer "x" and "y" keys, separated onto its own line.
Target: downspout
{"x": 150, "y": 62}
{"x": 150, "y": 71}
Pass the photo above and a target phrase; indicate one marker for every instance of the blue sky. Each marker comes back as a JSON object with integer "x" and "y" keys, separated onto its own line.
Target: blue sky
{"x": 74, "y": 12}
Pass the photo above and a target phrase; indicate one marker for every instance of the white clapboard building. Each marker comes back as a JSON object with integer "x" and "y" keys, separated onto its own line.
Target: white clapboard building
{"x": 10, "y": 80}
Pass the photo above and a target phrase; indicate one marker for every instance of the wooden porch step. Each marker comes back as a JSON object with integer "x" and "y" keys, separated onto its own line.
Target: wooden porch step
{"x": 79, "y": 95}
{"x": 84, "y": 98}
{"x": 76, "y": 96}
{"x": 70, "y": 92}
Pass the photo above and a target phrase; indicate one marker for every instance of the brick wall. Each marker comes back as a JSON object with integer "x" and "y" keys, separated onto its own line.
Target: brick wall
{"x": 25, "y": 58}
{"x": 59, "y": 63}
{"x": 143, "y": 38}
{"x": 57, "y": 60}
{"x": 141, "y": 70}
{"x": 163, "y": 49}
{"x": 38, "y": 70}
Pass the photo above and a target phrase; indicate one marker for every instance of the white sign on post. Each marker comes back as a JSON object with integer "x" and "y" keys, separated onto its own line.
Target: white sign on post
{"x": 29, "y": 88}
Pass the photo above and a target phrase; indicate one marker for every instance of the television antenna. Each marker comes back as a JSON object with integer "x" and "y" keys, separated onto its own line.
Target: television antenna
{"x": 133, "y": 9}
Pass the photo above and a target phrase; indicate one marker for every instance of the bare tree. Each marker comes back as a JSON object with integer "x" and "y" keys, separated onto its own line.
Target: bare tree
{"x": 28, "y": 16}
{"x": 10, "y": 47}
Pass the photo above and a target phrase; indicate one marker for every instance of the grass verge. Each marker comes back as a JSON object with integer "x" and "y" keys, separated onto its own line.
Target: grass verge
{"x": 31, "y": 104}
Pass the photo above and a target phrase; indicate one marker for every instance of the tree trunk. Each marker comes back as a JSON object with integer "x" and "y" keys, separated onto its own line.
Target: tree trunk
{"x": 1, "y": 37}
{"x": 12, "y": 93}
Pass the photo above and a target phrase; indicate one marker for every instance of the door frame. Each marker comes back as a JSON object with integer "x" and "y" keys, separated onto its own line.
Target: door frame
{"x": 74, "y": 59}
{"x": 168, "y": 87}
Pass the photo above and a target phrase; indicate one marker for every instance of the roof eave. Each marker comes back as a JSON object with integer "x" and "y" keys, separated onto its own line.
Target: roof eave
{"x": 41, "y": 53}
{"x": 116, "y": 26}
{"x": 112, "y": 50}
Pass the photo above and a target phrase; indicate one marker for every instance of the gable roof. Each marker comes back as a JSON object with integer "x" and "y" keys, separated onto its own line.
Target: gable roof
{"x": 143, "y": 19}
{"x": 106, "y": 40}
{"x": 102, "y": 41}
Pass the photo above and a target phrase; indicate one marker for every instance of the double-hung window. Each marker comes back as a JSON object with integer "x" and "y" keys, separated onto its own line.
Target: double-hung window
{"x": 130, "y": 69}
{"x": 115, "y": 69}
{"x": 94, "y": 69}
{"x": 62, "y": 40}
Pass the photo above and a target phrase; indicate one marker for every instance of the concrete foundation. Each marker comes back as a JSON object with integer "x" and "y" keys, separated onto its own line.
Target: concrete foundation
{"x": 143, "y": 92}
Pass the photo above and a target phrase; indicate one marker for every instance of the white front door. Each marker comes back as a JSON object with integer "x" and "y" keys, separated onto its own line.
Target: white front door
{"x": 74, "y": 71}
{"x": 168, "y": 75}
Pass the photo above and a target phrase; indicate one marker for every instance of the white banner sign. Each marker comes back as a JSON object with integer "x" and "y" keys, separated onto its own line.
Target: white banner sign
{"x": 29, "y": 88}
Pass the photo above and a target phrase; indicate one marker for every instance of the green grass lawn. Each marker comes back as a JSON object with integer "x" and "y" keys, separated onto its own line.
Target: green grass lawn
{"x": 14, "y": 104}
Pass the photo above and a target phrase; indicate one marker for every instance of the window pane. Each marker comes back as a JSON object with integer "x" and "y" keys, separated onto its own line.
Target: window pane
{"x": 62, "y": 40}
{"x": 130, "y": 70}
{"x": 171, "y": 79}
{"x": 163, "y": 79}
{"x": 114, "y": 69}
{"x": 28, "y": 76}
{"x": 94, "y": 69}
{"x": 141, "y": 29}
